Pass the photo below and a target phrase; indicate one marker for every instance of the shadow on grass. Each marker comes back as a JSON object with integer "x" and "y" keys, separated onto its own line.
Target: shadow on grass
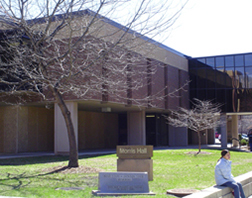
{"x": 41, "y": 159}
{"x": 17, "y": 178}
{"x": 17, "y": 181}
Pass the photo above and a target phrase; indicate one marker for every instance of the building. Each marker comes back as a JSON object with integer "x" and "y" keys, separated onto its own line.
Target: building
{"x": 225, "y": 79}
{"x": 101, "y": 120}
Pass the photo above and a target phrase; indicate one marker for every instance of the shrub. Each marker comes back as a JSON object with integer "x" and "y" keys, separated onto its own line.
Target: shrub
{"x": 244, "y": 142}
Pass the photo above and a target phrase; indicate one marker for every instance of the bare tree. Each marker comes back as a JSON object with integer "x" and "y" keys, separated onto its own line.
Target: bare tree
{"x": 202, "y": 116}
{"x": 55, "y": 50}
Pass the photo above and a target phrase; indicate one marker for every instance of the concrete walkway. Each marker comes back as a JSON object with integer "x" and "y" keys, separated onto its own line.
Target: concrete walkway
{"x": 10, "y": 197}
{"x": 113, "y": 151}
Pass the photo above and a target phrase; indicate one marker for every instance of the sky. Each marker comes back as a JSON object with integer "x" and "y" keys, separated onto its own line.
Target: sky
{"x": 213, "y": 27}
{"x": 208, "y": 27}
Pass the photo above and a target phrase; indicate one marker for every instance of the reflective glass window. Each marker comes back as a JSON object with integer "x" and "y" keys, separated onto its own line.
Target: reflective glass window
{"x": 202, "y": 60}
{"x": 239, "y": 77}
{"x": 193, "y": 78}
{"x": 221, "y": 97}
{"x": 242, "y": 102}
{"x": 210, "y": 62}
{"x": 239, "y": 60}
{"x": 229, "y": 70}
{"x": 229, "y": 78}
{"x": 202, "y": 94}
{"x": 193, "y": 63}
{"x": 211, "y": 76}
{"x": 221, "y": 79}
{"x": 211, "y": 95}
{"x": 248, "y": 60}
{"x": 201, "y": 80}
{"x": 229, "y": 100}
{"x": 219, "y": 63}
{"x": 248, "y": 99}
{"x": 248, "y": 77}
{"x": 193, "y": 93}
{"x": 229, "y": 61}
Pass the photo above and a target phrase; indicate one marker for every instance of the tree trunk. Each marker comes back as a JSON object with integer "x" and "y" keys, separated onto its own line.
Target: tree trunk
{"x": 199, "y": 138}
{"x": 73, "y": 153}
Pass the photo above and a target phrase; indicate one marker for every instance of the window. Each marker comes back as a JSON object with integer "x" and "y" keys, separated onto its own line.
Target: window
{"x": 239, "y": 77}
{"x": 211, "y": 95}
{"x": 221, "y": 96}
{"x": 219, "y": 63}
{"x": 202, "y": 94}
{"x": 248, "y": 60}
{"x": 211, "y": 75}
{"x": 202, "y": 60}
{"x": 239, "y": 61}
{"x": 248, "y": 77}
{"x": 210, "y": 62}
{"x": 202, "y": 80}
{"x": 229, "y": 61}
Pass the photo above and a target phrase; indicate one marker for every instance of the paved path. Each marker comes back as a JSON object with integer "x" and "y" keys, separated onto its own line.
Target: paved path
{"x": 112, "y": 151}
{"x": 10, "y": 197}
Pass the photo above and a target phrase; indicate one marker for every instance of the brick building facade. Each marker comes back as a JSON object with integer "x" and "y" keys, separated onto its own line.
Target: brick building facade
{"x": 104, "y": 119}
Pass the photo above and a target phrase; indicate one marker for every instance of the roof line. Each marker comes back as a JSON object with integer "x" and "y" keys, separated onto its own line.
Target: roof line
{"x": 113, "y": 23}
{"x": 212, "y": 56}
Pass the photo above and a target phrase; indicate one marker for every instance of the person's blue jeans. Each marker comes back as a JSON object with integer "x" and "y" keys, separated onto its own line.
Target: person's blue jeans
{"x": 237, "y": 187}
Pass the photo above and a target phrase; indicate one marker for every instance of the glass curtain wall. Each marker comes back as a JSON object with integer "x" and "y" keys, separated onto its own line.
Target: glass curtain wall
{"x": 224, "y": 79}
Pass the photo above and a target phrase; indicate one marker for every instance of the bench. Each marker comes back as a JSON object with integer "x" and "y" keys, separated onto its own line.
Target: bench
{"x": 225, "y": 192}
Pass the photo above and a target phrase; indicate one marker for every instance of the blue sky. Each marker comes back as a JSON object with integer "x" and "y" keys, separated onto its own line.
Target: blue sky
{"x": 213, "y": 27}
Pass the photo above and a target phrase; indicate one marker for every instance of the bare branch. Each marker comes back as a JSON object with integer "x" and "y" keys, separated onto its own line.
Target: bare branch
{"x": 202, "y": 116}
{"x": 53, "y": 50}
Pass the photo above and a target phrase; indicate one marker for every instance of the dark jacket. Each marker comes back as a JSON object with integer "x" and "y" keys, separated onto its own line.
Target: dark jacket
{"x": 250, "y": 138}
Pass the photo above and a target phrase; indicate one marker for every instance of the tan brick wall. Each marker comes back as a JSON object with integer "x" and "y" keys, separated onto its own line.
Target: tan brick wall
{"x": 173, "y": 85}
{"x": 176, "y": 77}
{"x": 25, "y": 129}
{"x": 109, "y": 32}
{"x": 158, "y": 80}
{"x": 10, "y": 129}
{"x": 97, "y": 130}
{"x": 184, "y": 78}
{"x": 45, "y": 131}
{"x": 23, "y": 126}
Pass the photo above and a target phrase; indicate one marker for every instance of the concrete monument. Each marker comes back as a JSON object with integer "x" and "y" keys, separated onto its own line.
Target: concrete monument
{"x": 135, "y": 158}
{"x": 122, "y": 183}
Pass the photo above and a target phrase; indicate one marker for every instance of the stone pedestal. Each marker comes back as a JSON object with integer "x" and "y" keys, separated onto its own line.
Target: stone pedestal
{"x": 136, "y": 165}
{"x": 122, "y": 183}
{"x": 136, "y": 158}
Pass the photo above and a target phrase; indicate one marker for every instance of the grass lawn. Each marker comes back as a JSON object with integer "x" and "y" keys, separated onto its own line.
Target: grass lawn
{"x": 40, "y": 177}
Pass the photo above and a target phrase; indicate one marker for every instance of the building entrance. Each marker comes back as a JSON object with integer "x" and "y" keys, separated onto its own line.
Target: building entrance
{"x": 122, "y": 136}
{"x": 156, "y": 130}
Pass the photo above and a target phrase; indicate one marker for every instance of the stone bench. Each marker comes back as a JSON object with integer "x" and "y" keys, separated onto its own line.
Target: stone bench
{"x": 225, "y": 192}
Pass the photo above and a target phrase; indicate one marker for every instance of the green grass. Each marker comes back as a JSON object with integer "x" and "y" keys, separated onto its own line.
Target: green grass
{"x": 34, "y": 177}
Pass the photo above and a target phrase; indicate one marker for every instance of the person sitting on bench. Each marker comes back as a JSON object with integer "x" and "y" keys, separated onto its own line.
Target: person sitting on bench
{"x": 224, "y": 177}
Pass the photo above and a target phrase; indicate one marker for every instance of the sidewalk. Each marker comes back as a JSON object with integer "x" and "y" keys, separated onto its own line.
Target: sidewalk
{"x": 10, "y": 197}
{"x": 113, "y": 151}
